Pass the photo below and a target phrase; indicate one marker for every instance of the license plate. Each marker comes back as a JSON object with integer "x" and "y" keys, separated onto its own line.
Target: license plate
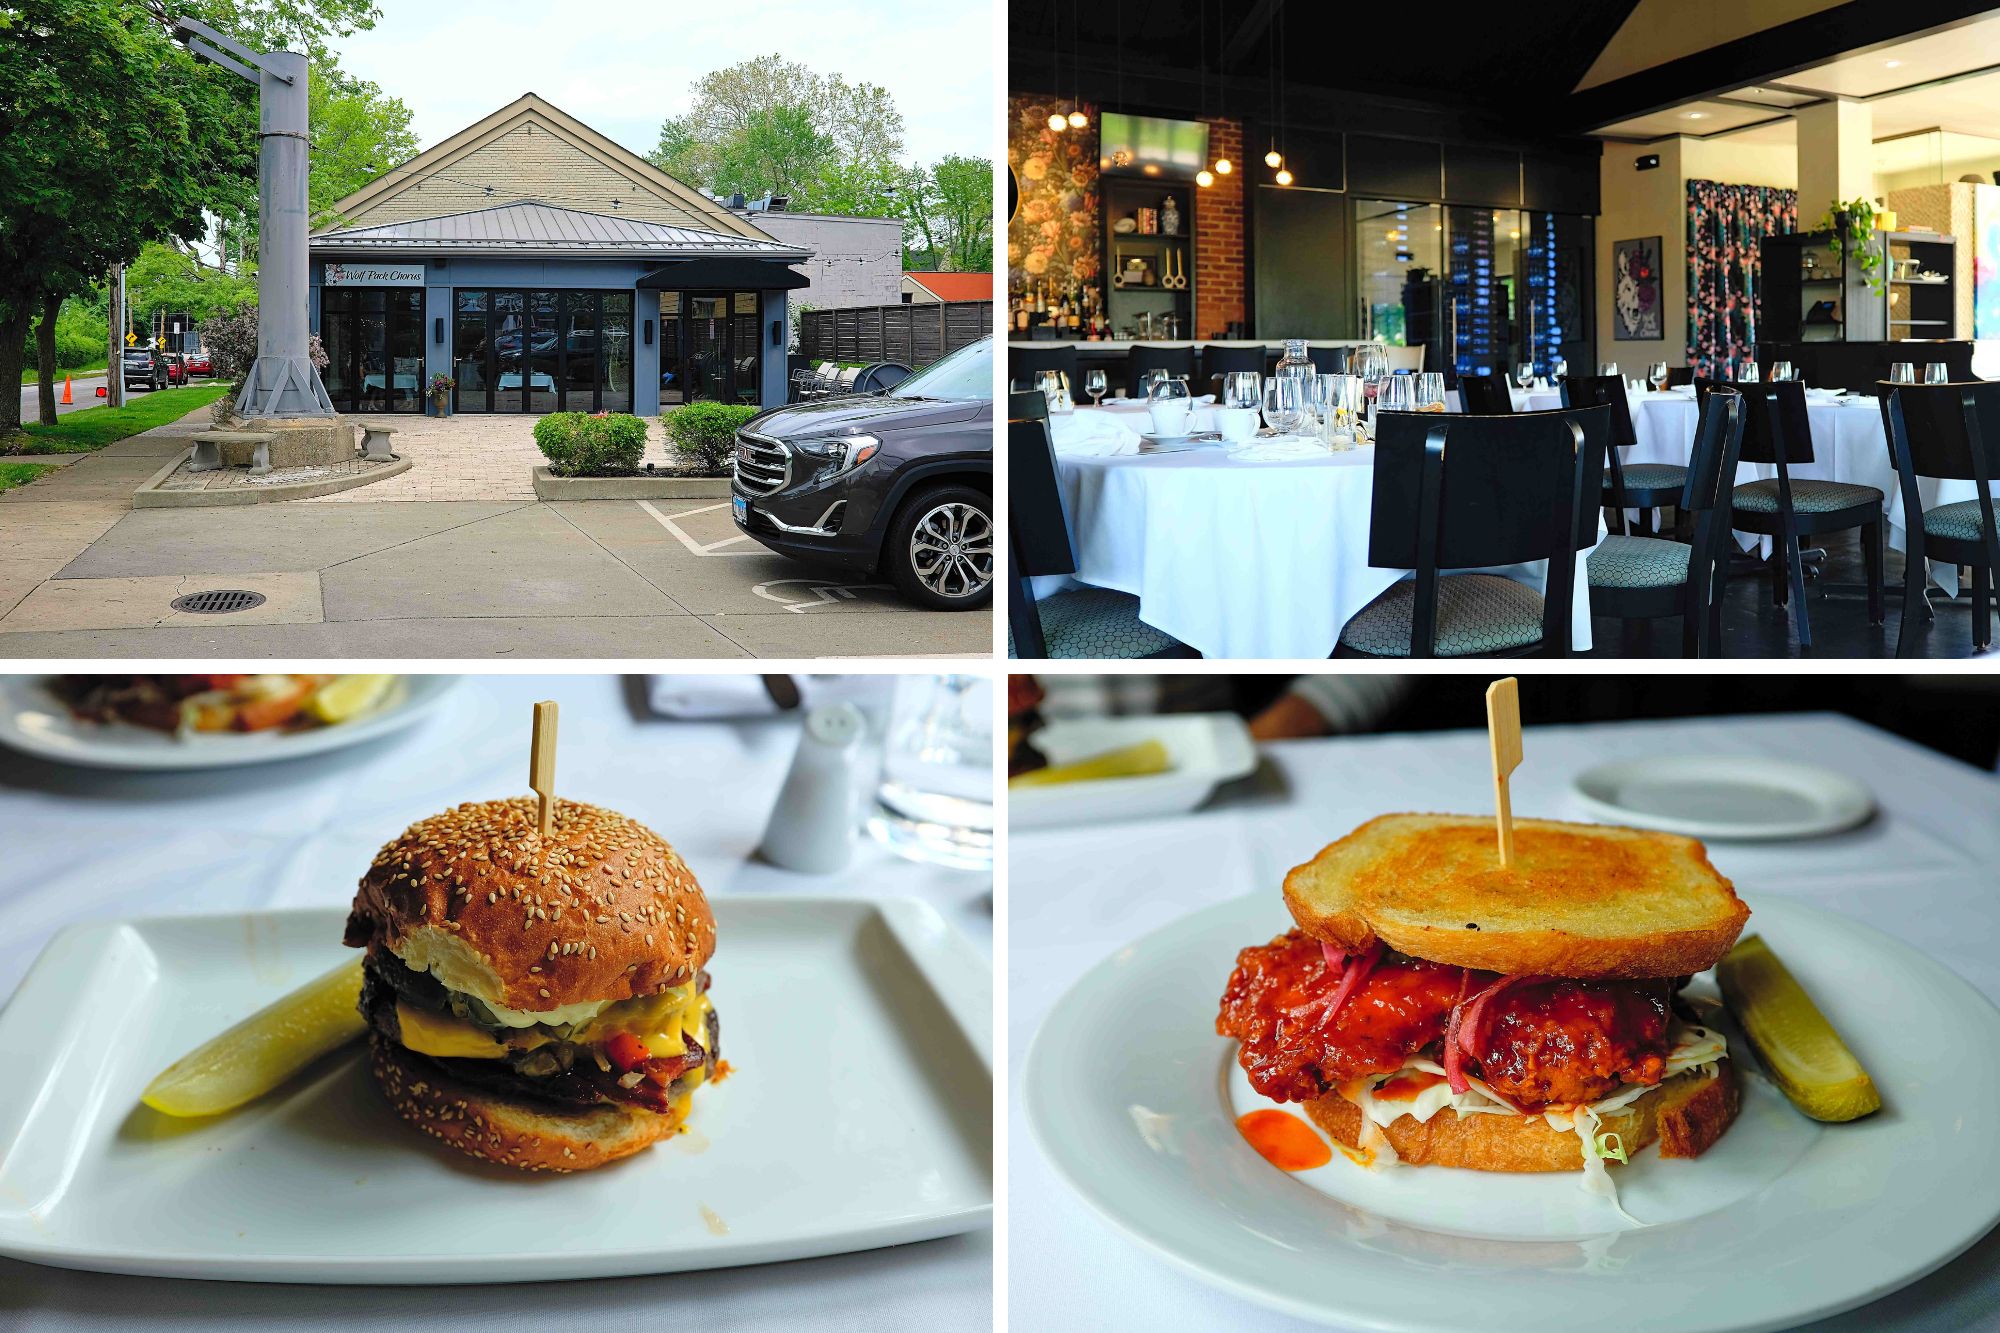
{"x": 742, "y": 508}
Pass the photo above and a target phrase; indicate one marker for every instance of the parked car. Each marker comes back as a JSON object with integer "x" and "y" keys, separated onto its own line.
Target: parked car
{"x": 201, "y": 363}
{"x": 177, "y": 368}
{"x": 897, "y": 484}
{"x": 146, "y": 367}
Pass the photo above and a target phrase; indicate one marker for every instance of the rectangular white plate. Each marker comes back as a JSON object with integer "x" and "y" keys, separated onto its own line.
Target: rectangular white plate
{"x": 858, "y": 1113}
{"x": 1207, "y": 750}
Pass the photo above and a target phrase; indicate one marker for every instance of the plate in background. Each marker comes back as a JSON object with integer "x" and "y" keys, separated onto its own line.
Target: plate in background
{"x": 1740, "y": 797}
{"x": 34, "y": 721}
{"x": 1207, "y": 750}
{"x": 857, "y": 1113}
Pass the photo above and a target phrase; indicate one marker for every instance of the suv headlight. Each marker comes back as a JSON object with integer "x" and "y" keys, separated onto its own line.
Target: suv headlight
{"x": 835, "y": 454}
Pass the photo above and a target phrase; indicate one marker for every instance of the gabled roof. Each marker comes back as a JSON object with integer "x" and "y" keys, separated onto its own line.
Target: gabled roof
{"x": 533, "y": 227}
{"x": 955, "y": 286}
{"x": 531, "y": 148}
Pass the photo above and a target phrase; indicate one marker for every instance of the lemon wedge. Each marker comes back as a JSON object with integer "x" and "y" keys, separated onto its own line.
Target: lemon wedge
{"x": 264, "y": 1050}
{"x": 346, "y": 697}
{"x": 1131, "y": 762}
{"x": 1803, "y": 1054}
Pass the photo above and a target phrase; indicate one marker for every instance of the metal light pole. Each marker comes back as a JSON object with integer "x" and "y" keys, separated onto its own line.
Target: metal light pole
{"x": 283, "y": 382}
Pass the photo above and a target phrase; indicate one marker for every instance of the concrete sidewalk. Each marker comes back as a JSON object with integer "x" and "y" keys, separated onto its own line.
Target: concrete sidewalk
{"x": 456, "y": 566}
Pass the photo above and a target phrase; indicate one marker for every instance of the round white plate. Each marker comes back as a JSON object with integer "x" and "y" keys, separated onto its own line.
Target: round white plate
{"x": 33, "y": 720}
{"x": 1726, "y": 796}
{"x": 1131, "y": 1097}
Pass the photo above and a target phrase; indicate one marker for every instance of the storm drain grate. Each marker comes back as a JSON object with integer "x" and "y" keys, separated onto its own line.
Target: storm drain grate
{"x": 218, "y": 601}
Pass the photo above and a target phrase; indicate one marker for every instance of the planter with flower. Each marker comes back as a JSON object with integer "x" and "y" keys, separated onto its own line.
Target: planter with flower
{"x": 440, "y": 394}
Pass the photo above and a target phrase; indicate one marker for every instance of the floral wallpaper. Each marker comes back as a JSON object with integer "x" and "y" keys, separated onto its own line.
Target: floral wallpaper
{"x": 1724, "y": 225}
{"x": 1053, "y": 234}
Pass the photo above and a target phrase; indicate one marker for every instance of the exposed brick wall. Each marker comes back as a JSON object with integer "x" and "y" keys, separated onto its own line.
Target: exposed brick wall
{"x": 1218, "y": 236}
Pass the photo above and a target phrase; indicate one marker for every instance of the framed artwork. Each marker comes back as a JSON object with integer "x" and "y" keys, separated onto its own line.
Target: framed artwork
{"x": 1635, "y": 289}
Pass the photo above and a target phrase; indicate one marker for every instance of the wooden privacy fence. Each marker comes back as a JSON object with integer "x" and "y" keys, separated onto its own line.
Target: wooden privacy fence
{"x": 913, "y": 334}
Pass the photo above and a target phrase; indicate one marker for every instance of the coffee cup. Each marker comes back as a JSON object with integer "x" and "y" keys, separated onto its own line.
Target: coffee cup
{"x": 1236, "y": 424}
{"x": 1170, "y": 416}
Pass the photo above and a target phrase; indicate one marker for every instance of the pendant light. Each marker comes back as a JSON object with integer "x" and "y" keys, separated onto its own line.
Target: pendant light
{"x": 1223, "y": 166}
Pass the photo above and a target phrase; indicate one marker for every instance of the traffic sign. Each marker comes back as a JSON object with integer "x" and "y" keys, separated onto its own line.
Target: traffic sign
{"x": 131, "y": 338}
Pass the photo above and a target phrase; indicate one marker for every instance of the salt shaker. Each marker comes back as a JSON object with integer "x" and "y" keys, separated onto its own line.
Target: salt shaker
{"x": 812, "y": 827}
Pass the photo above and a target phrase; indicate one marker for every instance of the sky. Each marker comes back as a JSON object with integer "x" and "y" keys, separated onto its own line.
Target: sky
{"x": 623, "y": 66}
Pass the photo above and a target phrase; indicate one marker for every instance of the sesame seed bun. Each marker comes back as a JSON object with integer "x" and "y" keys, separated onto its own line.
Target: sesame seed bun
{"x": 524, "y": 1136}
{"x": 604, "y": 910}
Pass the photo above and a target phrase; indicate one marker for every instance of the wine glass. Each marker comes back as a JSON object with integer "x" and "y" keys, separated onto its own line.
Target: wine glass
{"x": 1284, "y": 403}
{"x": 1052, "y": 387}
{"x": 1524, "y": 374}
{"x": 1370, "y": 361}
{"x": 1607, "y": 367}
{"x": 1935, "y": 373}
{"x": 1657, "y": 373}
{"x": 1902, "y": 372}
{"x": 1430, "y": 391}
{"x": 1559, "y": 370}
{"x": 1094, "y": 385}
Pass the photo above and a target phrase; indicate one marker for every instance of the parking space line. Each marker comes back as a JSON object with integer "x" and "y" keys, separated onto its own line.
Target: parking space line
{"x": 695, "y": 547}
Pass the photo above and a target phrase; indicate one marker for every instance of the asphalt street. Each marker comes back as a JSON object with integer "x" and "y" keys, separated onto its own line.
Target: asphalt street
{"x": 82, "y": 389}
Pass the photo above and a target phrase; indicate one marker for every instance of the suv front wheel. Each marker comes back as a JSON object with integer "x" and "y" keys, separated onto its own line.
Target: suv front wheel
{"x": 940, "y": 548}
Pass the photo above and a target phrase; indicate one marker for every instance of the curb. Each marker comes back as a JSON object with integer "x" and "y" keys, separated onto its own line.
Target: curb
{"x": 148, "y": 496}
{"x": 551, "y": 487}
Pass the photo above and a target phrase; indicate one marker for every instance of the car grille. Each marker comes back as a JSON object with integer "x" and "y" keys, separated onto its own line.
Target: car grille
{"x": 763, "y": 465}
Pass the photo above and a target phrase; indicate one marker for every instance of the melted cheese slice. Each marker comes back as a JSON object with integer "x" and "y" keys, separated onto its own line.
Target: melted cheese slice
{"x": 664, "y": 1022}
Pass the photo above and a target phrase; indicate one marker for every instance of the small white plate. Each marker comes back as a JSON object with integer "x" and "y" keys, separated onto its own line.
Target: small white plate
{"x": 33, "y": 720}
{"x": 1130, "y": 1096}
{"x": 1207, "y": 750}
{"x": 858, "y": 1113}
{"x": 1741, "y": 797}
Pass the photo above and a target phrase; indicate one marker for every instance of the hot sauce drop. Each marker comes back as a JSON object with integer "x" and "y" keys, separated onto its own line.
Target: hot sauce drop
{"x": 1284, "y": 1140}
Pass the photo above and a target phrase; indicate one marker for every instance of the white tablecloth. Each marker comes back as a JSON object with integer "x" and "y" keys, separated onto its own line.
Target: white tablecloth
{"x": 1922, "y": 871}
{"x": 96, "y": 846}
{"x": 1236, "y": 558}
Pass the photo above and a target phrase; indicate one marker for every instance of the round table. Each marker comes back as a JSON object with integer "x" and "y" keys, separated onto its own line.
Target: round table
{"x": 1237, "y": 559}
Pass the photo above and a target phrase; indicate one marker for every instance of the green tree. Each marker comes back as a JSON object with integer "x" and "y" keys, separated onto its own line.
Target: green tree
{"x": 950, "y": 211}
{"x": 858, "y": 122}
{"x": 778, "y": 151}
{"x": 283, "y": 25}
{"x": 168, "y": 278}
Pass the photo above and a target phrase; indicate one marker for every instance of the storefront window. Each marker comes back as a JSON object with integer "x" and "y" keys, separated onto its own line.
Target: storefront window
{"x": 374, "y": 341}
{"x": 469, "y": 349}
{"x": 542, "y": 350}
{"x": 615, "y": 357}
{"x": 748, "y": 344}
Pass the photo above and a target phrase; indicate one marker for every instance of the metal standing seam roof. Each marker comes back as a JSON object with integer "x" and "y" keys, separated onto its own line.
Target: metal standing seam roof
{"x": 532, "y": 227}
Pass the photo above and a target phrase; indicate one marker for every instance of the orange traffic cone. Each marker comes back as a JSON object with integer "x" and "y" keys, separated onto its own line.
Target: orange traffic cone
{"x": 66, "y": 398}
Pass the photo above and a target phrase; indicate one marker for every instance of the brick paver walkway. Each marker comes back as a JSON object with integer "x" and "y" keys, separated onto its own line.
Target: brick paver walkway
{"x": 476, "y": 457}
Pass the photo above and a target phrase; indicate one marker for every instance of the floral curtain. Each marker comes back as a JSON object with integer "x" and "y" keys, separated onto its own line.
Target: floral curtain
{"x": 1724, "y": 225}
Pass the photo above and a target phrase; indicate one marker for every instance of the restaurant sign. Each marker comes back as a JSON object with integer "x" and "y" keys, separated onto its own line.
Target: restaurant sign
{"x": 375, "y": 275}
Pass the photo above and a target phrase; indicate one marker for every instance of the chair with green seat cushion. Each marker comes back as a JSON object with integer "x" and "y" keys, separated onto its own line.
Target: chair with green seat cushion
{"x": 1950, "y": 432}
{"x": 1458, "y": 494}
{"x": 1642, "y": 578}
{"x": 1777, "y": 431}
{"x": 1643, "y": 486}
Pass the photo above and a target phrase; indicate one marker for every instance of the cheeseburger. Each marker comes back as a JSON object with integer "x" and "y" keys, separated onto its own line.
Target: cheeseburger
{"x": 1434, "y": 1008}
{"x": 540, "y": 1003}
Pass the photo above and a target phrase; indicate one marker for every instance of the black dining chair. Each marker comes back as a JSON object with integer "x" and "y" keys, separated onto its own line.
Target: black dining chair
{"x": 1679, "y": 375}
{"x": 1643, "y": 578}
{"x": 1463, "y": 493}
{"x": 1080, "y": 622}
{"x": 1219, "y": 361}
{"x": 1178, "y": 362}
{"x": 1950, "y": 432}
{"x": 1485, "y": 396}
{"x": 1777, "y": 431}
{"x": 1642, "y": 486}
{"x": 1025, "y": 364}
{"x": 1327, "y": 360}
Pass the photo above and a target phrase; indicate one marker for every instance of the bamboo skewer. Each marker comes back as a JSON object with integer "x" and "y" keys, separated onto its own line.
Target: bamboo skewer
{"x": 1503, "y": 730}
{"x": 542, "y": 763}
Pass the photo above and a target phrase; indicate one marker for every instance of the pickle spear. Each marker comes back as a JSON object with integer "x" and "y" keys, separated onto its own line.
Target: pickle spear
{"x": 1798, "y": 1047}
{"x": 264, "y": 1050}
{"x": 1131, "y": 762}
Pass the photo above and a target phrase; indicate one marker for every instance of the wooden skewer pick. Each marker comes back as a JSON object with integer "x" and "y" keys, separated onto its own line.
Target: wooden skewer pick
{"x": 542, "y": 763}
{"x": 1503, "y": 729}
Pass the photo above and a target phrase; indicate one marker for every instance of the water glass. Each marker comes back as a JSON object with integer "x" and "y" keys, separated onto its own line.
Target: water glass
{"x": 1935, "y": 373}
{"x": 1657, "y": 373}
{"x": 1749, "y": 375}
{"x": 1397, "y": 394}
{"x": 1782, "y": 372}
{"x": 1285, "y": 403}
{"x": 1607, "y": 367}
{"x": 1242, "y": 388}
{"x": 1094, "y": 385}
{"x": 1902, "y": 372}
{"x": 1052, "y": 388}
{"x": 1559, "y": 370}
{"x": 1430, "y": 391}
{"x": 1370, "y": 361}
{"x": 1524, "y": 374}
{"x": 934, "y": 800}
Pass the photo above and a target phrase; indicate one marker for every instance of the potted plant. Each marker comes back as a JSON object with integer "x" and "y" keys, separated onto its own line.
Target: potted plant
{"x": 440, "y": 394}
{"x": 1852, "y": 225}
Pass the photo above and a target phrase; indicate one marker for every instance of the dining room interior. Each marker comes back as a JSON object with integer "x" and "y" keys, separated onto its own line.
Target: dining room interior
{"x": 1708, "y": 294}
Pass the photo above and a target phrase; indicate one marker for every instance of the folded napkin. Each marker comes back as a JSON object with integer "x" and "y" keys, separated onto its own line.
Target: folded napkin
{"x": 1280, "y": 449}
{"x": 1091, "y": 435}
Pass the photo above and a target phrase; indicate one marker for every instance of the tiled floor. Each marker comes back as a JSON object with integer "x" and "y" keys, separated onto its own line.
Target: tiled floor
{"x": 477, "y": 457}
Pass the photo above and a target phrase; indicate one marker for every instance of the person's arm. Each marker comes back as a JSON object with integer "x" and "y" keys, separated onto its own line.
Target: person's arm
{"x": 1329, "y": 705}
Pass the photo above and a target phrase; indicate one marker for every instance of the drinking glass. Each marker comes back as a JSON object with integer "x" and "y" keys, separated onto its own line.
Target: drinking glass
{"x": 1782, "y": 372}
{"x": 1935, "y": 373}
{"x": 1524, "y": 374}
{"x": 1370, "y": 361}
{"x": 1397, "y": 394}
{"x": 1607, "y": 367}
{"x": 1052, "y": 386}
{"x": 1749, "y": 375}
{"x": 1430, "y": 391}
{"x": 1559, "y": 370}
{"x": 1902, "y": 372}
{"x": 1166, "y": 387}
{"x": 1148, "y": 379}
{"x": 1657, "y": 373}
{"x": 934, "y": 800}
{"x": 1242, "y": 388}
{"x": 1285, "y": 403}
{"x": 1094, "y": 385}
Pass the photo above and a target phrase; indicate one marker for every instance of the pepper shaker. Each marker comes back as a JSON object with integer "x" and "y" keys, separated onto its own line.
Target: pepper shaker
{"x": 813, "y": 826}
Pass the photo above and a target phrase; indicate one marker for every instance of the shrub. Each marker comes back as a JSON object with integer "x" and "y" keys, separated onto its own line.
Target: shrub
{"x": 232, "y": 341}
{"x": 578, "y": 444}
{"x": 705, "y": 433}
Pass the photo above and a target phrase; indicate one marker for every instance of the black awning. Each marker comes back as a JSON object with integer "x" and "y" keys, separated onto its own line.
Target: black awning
{"x": 733, "y": 272}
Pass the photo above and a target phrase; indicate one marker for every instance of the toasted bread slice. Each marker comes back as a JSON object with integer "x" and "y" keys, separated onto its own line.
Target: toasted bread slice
{"x": 1685, "y": 1114}
{"x": 1581, "y": 900}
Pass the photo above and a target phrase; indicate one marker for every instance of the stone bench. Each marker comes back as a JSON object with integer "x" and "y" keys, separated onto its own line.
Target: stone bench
{"x": 375, "y": 444}
{"x": 208, "y": 444}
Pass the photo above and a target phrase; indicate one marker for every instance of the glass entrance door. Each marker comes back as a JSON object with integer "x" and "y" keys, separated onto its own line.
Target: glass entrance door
{"x": 544, "y": 353}
{"x": 542, "y": 350}
{"x": 710, "y": 347}
{"x": 374, "y": 342}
